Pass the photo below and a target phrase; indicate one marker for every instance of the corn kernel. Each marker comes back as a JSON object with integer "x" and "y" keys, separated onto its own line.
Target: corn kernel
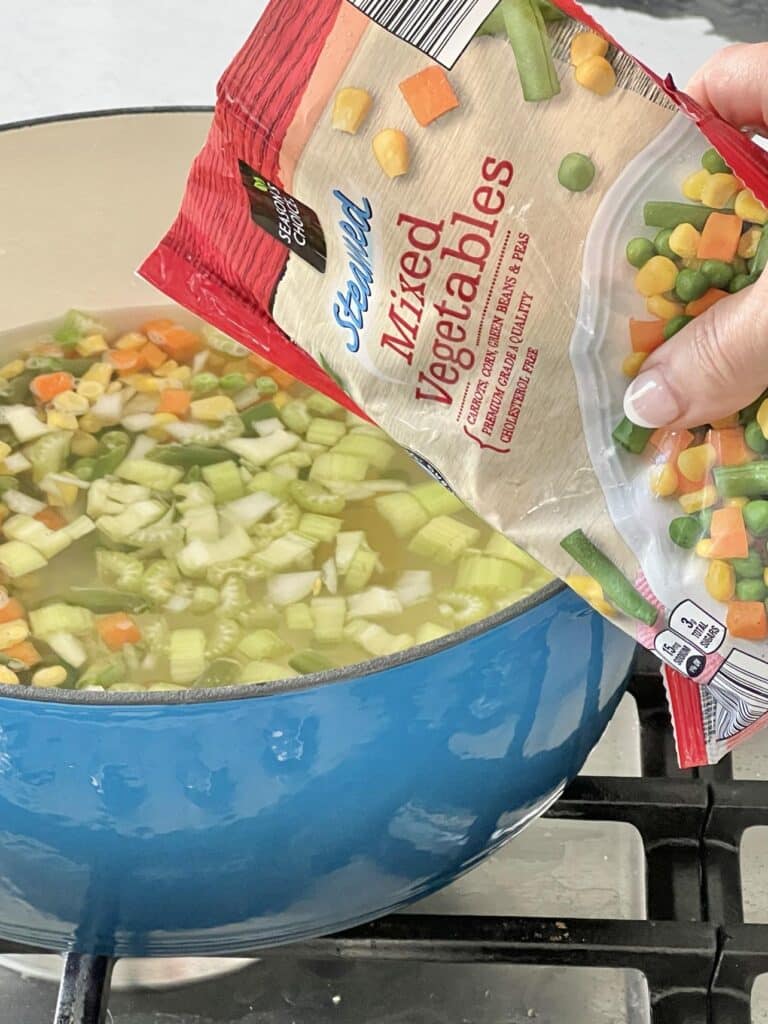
{"x": 762, "y": 417}
{"x": 280, "y": 399}
{"x": 597, "y": 75}
{"x": 749, "y": 208}
{"x": 7, "y": 677}
{"x": 592, "y": 593}
{"x": 390, "y": 147}
{"x": 697, "y": 501}
{"x": 62, "y": 495}
{"x": 215, "y": 409}
{"x": 181, "y": 373}
{"x": 131, "y": 340}
{"x": 84, "y": 444}
{"x": 693, "y": 186}
{"x": 167, "y": 368}
{"x": 664, "y": 308}
{"x": 350, "y": 109}
{"x": 657, "y": 276}
{"x": 144, "y": 383}
{"x": 12, "y": 369}
{"x": 694, "y": 463}
{"x": 684, "y": 241}
{"x": 162, "y": 419}
{"x": 737, "y": 502}
{"x": 91, "y": 345}
{"x": 585, "y": 45}
{"x": 90, "y": 424}
{"x": 632, "y": 364}
{"x": 54, "y": 675}
{"x": 100, "y": 372}
{"x": 749, "y": 242}
{"x": 663, "y": 480}
{"x": 70, "y": 401}
{"x": 90, "y": 389}
{"x": 704, "y": 548}
{"x": 719, "y": 189}
{"x": 720, "y": 580}
{"x": 61, "y": 420}
{"x": 12, "y": 633}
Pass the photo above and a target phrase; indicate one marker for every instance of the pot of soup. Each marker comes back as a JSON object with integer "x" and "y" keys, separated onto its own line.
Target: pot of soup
{"x": 262, "y": 678}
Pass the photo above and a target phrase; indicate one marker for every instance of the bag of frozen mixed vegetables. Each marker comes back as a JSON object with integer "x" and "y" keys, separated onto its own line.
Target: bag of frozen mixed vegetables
{"x": 473, "y": 222}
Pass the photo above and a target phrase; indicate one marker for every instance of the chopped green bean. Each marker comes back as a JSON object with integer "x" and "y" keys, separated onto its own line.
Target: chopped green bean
{"x": 188, "y": 455}
{"x": 616, "y": 586}
{"x": 528, "y": 36}
{"x": 631, "y": 437}
{"x": 748, "y": 481}
{"x": 672, "y": 215}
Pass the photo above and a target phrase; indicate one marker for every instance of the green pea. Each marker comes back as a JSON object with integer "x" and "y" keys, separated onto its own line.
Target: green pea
{"x": 749, "y": 568}
{"x": 751, "y": 590}
{"x": 266, "y": 386}
{"x": 661, "y": 244}
{"x": 755, "y": 438}
{"x": 717, "y": 272}
{"x": 675, "y": 324}
{"x": 639, "y": 251}
{"x": 756, "y": 517}
{"x": 685, "y": 531}
{"x": 714, "y": 163}
{"x": 739, "y": 282}
{"x": 203, "y": 383}
{"x": 233, "y": 382}
{"x": 691, "y": 285}
{"x": 114, "y": 439}
{"x": 577, "y": 172}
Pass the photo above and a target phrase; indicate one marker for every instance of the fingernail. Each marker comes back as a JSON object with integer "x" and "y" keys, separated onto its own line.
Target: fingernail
{"x": 650, "y": 402}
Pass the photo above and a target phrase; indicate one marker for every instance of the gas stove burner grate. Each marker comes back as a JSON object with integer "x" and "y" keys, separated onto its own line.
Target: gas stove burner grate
{"x": 698, "y": 956}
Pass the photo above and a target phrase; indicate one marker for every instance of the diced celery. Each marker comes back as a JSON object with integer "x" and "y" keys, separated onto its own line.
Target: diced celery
{"x": 376, "y": 640}
{"x": 224, "y": 480}
{"x": 325, "y": 432}
{"x": 285, "y": 551}
{"x": 258, "y": 451}
{"x": 298, "y": 617}
{"x": 321, "y": 405}
{"x": 68, "y": 648}
{"x": 153, "y": 475}
{"x": 328, "y": 616}
{"x": 48, "y": 453}
{"x": 300, "y": 460}
{"x": 192, "y": 494}
{"x": 60, "y": 618}
{"x": 436, "y": 499}
{"x": 24, "y": 422}
{"x": 461, "y": 609}
{"x": 307, "y": 662}
{"x": 320, "y": 528}
{"x": 18, "y": 559}
{"x": 121, "y": 527}
{"x": 338, "y": 467}
{"x": 313, "y": 497}
{"x": 373, "y": 450}
{"x": 31, "y": 531}
{"x": 374, "y": 603}
{"x": 17, "y": 501}
{"x": 186, "y": 654}
{"x": 78, "y": 528}
{"x": 267, "y": 426}
{"x": 265, "y": 672}
{"x": 100, "y": 674}
{"x": 292, "y": 587}
{"x": 484, "y": 575}
{"x": 261, "y": 643}
{"x": 201, "y": 523}
{"x": 443, "y": 539}
{"x": 414, "y": 586}
{"x": 403, "y": 513}
{"x": 285, "y": 471}
{"x": 499, "y": 547}
{"x": 198, "y": 555}
{"x": 204, "y": 600}
{"x": 250, "y": 509}
{"x": 347, "y": 543}
{"x": 330, "y": 575}
{"x": 365, "y": 489}
{"x": 272, "y": 483}
{"x": 428, "y": 631}
{"x": 361, "y": 568}
{"x": 295, "y": 416}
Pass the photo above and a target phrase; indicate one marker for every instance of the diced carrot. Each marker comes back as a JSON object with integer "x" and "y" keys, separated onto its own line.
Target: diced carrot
{"x": 429, "y": 94}
{"x": 707, "y": 300}
{"x": 175, "y": 340}
{"x": 728, "y": 534}
{"x": 281, "y": 378}
{"x": 153, "y": 356}
{"x": 176, "y": 401}
{"x": 51, "y": 518}
{"x": 646, "y": 335}
{"x": 730, "y": 446}
{"x": 48, "y": 385}
{"x": 12, "y": 609}
{"x": 747, "y": 619}
{"x": 127, "y": 360}
{"x": 118, "y": 629}
{"x": 669, "y": 443}
{"x": 720, "y": 237}
{"x": 25, "y": 652}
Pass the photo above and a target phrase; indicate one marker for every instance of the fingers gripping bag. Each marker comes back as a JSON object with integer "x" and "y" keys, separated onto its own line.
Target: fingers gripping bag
{"x": 472, "y": 224}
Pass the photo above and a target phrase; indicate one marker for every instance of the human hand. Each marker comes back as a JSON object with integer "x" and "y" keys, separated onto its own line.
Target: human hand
{"x": 719, "y": 362}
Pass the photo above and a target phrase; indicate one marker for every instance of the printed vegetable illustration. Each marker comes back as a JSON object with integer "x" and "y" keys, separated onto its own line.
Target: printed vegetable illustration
{"x": 429, "y": 94}
{"x": 716, "y": 475}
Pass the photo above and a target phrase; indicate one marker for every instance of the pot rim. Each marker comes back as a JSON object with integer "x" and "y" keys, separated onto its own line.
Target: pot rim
{"x": 249, "y": 691}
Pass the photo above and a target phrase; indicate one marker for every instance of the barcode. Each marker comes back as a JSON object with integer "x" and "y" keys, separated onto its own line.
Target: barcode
{"x": 441, "y": 29}
{"x": 740, "y": 692}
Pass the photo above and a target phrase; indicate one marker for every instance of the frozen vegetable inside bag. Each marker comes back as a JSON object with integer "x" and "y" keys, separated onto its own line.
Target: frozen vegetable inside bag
{"x": 473, "y": 223}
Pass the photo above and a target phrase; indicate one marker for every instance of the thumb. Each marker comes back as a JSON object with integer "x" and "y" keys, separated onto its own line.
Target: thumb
{"x": 715, "y": 366}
